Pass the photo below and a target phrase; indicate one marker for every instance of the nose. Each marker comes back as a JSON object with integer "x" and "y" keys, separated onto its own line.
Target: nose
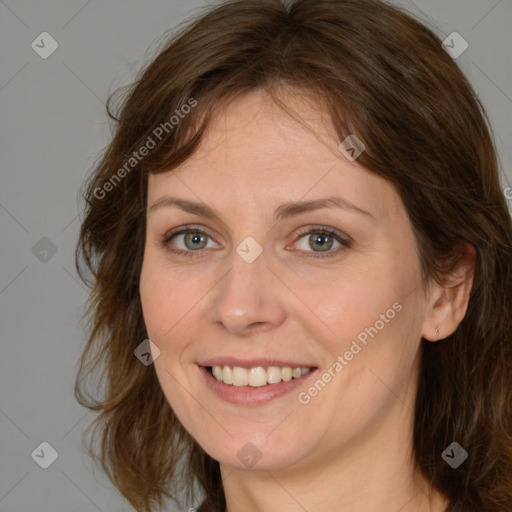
{"x": 249, "y": 298}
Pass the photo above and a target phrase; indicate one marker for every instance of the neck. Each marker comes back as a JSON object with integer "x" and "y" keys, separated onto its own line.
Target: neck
{"x": 358, "y": 489}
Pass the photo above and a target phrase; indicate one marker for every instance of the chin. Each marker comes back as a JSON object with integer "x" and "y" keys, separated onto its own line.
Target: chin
{"x": 259, "y": 454}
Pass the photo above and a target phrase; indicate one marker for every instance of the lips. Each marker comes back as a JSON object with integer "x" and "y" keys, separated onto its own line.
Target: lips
{"x": 256, "y": 380}
{"x": 259, "y": 392}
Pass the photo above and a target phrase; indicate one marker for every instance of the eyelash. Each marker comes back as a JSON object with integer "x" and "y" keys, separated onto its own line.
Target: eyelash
{"x": 322, "y": 230}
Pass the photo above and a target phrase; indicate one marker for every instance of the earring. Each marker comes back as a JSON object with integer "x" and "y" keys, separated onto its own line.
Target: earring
{"x": 438, "y": 332}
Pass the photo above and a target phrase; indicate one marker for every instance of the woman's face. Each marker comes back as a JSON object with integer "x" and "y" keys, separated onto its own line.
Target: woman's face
{"x": 259, "y": 285}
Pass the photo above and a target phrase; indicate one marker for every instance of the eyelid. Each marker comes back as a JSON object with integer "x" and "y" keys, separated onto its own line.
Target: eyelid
{"x": 298, "y": 232}
{"x": 183, "y": 229}
{"x": 323, "y": 229}
{"x": 343, "y": 239}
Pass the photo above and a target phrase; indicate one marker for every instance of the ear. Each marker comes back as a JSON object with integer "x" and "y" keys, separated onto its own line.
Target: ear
{"x": 448, "y": 301}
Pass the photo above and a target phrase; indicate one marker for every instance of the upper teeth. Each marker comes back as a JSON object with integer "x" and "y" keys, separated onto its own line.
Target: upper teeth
{"x": 257, "y": 376}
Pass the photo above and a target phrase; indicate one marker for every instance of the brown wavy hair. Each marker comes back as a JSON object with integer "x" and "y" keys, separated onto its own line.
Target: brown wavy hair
{"x": 382, "y": 75}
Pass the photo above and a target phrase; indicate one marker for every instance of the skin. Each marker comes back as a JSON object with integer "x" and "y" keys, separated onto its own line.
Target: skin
{"x": 350, "y": 447}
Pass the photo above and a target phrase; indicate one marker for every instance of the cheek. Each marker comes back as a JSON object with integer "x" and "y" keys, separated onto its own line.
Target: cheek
{"x": 166, "y": 296}
{"x": 165, "y": 304}
{"x": 349, "y": 300}
{"x": 370, "y": 323}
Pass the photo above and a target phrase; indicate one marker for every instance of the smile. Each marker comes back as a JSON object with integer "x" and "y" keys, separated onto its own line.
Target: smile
{"x": 256, "y": 376}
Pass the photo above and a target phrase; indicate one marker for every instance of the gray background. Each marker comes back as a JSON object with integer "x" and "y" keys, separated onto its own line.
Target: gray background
{"x": 53, "y": 126}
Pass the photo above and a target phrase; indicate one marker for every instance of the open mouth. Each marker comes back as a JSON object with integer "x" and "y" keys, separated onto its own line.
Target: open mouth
{"x": 257, "y": 376}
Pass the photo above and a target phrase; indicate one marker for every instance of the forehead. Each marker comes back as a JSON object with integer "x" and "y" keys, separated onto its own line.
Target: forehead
{"x": 256, "y": 151}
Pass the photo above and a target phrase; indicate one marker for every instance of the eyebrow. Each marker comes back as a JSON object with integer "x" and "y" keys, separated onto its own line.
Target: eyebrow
{"x": 284, "y": 211}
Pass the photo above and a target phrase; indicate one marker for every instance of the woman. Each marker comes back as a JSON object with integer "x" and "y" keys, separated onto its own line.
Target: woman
{"x": 301, "y": 268}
